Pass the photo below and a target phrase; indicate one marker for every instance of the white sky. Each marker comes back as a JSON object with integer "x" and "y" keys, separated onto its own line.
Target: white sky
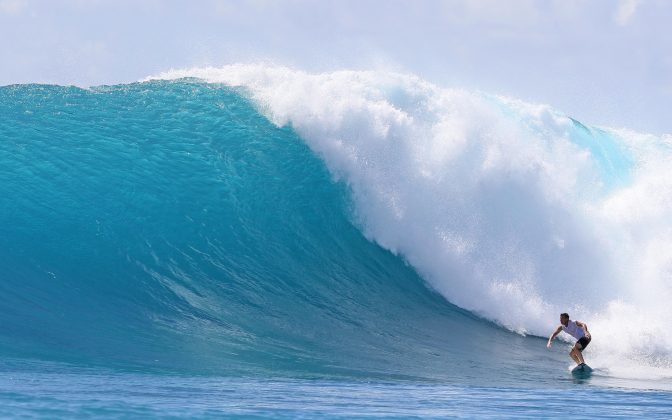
{"x": 605, "y": 62}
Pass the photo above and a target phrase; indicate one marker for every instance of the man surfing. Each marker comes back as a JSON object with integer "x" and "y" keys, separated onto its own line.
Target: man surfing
{"x": 576, "y": 329}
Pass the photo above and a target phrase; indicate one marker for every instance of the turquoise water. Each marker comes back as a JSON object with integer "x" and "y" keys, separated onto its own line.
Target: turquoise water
{"x": 55, "y": 391}
{"x": 166, "y": 250}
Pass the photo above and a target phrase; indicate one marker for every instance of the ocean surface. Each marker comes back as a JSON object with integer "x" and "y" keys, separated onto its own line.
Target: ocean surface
{"x": 256, "y": 241}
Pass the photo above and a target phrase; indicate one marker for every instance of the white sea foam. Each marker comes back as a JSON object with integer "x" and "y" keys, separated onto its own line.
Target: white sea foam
{"x": 497, "y": 203}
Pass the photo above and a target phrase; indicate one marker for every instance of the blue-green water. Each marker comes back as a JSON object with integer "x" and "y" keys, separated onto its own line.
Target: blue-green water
{"x": 165, "y": 250}
{"x": 55, "y": 391}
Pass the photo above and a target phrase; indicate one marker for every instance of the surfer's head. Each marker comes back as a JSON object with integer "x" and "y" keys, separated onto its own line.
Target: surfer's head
{"x": 564, "y": 318}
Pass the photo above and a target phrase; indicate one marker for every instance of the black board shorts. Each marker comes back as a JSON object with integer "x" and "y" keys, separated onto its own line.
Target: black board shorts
{"x": 584, "y": 341}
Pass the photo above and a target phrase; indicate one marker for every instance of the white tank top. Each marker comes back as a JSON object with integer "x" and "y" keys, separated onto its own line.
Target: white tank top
{"x": 573, "y": 330}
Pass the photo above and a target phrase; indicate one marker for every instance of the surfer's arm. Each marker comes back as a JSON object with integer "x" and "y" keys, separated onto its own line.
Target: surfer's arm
{"x": 552, "y": 337}
{"x": 584, "y": 326}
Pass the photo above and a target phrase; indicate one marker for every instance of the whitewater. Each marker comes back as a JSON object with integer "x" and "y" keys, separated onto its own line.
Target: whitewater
{"x": 257, "y": 240}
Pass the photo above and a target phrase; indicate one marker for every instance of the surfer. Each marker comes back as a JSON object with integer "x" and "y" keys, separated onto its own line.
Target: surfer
{"x": 576, "y": 329}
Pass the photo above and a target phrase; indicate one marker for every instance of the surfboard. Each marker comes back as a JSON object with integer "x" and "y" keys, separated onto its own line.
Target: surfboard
{"x": 582, "y": 371}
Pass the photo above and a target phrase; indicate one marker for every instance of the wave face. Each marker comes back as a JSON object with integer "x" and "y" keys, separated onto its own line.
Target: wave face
{"x": 171, "y": 226}
{"x": 263, "y": 219}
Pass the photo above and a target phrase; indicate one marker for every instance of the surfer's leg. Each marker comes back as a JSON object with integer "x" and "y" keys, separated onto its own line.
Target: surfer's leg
{"x": 577, "y": 351}
{"x": 573, "y": 355}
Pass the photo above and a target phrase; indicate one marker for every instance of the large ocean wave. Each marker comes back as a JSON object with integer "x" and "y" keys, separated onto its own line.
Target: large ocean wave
{"x": 262, "y": 219}
{"x": 512, "y": 210}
